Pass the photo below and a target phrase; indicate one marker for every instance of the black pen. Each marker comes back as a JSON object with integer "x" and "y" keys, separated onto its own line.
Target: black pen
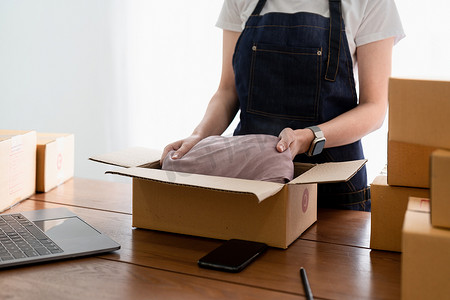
{"x": 306, "y": 286}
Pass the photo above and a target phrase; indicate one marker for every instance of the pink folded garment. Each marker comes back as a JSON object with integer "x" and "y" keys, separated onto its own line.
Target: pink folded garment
{"x": 247, "y": 156}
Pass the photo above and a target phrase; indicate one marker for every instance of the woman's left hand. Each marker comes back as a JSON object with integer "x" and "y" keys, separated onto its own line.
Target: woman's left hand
{"x": 298, "y": 141}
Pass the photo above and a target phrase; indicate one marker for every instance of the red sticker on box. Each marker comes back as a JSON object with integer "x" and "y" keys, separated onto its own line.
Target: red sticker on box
{"x": 305, "y": 200}
{"x": 59, "y": 159}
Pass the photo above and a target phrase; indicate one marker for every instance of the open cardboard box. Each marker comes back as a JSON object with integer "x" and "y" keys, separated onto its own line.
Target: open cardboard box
{"x": 224, "y": 208}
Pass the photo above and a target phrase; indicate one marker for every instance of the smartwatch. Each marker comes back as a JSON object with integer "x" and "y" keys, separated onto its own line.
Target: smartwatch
{"x": 318, "y": 143}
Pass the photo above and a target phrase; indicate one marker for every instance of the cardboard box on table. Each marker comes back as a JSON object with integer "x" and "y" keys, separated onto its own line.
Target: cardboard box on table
{"x": 389, "y": 204}
{"x": 419, "y": 123}
{"x": 55, "y": 160}
{"x": 425, "y": 258}
{"x": 17, "y": 166}
{"x": 224, "y": 208}
{"x": 440, "y": 188}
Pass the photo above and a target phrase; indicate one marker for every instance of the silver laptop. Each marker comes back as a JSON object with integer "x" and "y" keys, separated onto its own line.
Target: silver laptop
{"x": 48, "y": 234}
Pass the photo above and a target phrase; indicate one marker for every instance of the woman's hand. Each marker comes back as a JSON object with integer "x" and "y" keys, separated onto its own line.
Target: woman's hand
{"x": 181, "y": 147}
{"x": 298, "y": 141}
{"x": 221, "y": 109}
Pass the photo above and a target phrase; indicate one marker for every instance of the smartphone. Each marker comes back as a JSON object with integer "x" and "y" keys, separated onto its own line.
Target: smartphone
{"x": 232, "y": 256}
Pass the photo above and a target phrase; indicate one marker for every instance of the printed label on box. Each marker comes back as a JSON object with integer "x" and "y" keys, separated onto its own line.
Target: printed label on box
{"x": 419, "y": 204}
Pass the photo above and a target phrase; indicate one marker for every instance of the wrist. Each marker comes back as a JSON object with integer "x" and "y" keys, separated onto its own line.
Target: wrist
{"x": 198, "y": 134}
{"x": 307, "y": 139}
{"x": 302, "y": 140}
{"x": 318, "y": 141}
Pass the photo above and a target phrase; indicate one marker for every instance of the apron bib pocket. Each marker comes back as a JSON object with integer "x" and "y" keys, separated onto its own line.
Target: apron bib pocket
{"x": 285, "y": 82}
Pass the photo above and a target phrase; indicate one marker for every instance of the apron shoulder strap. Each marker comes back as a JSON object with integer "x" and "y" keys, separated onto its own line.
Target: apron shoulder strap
{"x": 258, "y": 7}
{"x": 334, "y": 42}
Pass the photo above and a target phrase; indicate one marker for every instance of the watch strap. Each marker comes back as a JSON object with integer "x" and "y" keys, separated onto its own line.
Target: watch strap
{"x": 317, "y": 131}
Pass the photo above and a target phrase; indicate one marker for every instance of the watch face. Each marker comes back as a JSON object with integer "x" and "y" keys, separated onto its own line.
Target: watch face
{"x": 318, "y": 147}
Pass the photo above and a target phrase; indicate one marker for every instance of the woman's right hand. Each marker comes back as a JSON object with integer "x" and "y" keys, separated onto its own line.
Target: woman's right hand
{"x": 181, "y": 147}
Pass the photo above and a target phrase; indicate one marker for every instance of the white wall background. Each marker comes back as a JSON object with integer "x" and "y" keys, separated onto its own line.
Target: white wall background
{"x": 120, "y": 73}
{"x": 61, "y": 71}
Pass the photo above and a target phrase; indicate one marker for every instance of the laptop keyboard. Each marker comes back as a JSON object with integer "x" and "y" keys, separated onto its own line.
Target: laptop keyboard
{"x": 20, "y": 238}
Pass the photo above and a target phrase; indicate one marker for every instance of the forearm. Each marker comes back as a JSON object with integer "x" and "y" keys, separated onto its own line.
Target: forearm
{"x": 374, "y": 66}
{"x": 222, "y": 107}
{"x": 224, "y": 104}
{"x": 342, "y": 130}
{"x": 220, "y": 112}
{"x": 354, "y": 124}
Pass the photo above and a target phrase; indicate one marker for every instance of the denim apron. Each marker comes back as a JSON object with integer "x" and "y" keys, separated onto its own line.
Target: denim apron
{"x": 295, "y": 70}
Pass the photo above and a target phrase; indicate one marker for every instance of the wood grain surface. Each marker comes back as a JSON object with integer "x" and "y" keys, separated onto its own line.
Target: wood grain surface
{"x": 334, "y": 252}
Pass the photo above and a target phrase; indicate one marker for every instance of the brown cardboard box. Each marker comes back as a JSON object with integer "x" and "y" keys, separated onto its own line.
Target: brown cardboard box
{"x": 389, "y": 204}
{"x": 17, "y": 166}
{"x": 440, "y": 188}
{"x": 224, "y": 208}
{"x": 409, "y": 164}
{"x": 425, "y": 258}
{"x": 55, "y": 160}
{"x": 418, "y": 124}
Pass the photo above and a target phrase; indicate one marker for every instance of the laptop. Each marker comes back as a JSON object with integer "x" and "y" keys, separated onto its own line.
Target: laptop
{"x": 48, "y": 234}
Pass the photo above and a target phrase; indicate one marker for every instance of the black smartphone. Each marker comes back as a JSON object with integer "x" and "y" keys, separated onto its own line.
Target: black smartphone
{"x": 232, "y": 256}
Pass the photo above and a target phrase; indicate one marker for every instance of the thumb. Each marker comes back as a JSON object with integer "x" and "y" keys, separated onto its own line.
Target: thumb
{"x": 178, "y": 154}
{"x": 181, "y": 151}
{"x": 283, "y": 143}
{"x": 286, "y": 139}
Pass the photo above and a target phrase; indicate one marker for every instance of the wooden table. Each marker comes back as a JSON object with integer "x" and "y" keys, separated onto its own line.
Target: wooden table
{"x": 157, "y": 265}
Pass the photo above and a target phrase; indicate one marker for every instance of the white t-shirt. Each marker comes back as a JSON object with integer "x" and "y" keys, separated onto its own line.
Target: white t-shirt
{"x": 366, "y": 21}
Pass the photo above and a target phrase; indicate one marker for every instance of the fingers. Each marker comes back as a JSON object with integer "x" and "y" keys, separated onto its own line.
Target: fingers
{"x": 286, "y": 139}
{"x": 282, "y": 146}
{"x": 180, "y": 147}
{"x": 181, "y": 151}
{"x": 171, "y": 147}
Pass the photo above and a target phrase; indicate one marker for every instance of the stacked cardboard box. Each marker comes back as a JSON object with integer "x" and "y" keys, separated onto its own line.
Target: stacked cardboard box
{"x": 418, "y": 156}
{"x": 389, "y": 205}
{"x": 17, "y": 166}
{"x": 419, "y": 113}
{"x": 426, "y": 256}
{"x": 55, "y": 160}
{"x": 418, "y": 125}
{"x": 440, "y": 188}
{"x": 31, "y": 162}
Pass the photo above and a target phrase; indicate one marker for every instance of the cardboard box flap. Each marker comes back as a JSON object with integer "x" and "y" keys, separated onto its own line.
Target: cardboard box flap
{"x": 130, "y": 157}
{"x": 46, "y": 138}
{"x": 8, "y": 134}
{"x": 330, "y": 172}
{"x": 260, "y": 189}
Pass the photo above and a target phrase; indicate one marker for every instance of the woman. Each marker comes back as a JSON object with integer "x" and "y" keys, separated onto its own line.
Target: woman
{"x": 290, "y": 73}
